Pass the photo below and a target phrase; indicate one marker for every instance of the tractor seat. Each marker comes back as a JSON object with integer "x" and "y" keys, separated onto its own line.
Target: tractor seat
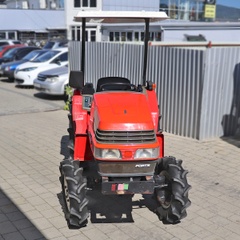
{"x": 113, "y": 84}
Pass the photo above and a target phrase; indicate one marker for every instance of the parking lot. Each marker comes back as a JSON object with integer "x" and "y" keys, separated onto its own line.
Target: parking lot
{"x": 33, "y": 141}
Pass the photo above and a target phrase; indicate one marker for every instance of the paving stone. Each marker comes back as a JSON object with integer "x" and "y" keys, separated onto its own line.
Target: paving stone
{"x": 7, "y": 227}
{"x": 29, "y": 185}
{"x": 13, "y": 236}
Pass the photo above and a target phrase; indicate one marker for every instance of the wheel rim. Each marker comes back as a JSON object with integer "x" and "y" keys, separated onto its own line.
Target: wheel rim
{"x": 166, "y": 203}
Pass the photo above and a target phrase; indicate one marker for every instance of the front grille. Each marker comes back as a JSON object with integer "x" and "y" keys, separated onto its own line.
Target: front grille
{"x": 41, "y": 77}
{"x": 125, "y": 136}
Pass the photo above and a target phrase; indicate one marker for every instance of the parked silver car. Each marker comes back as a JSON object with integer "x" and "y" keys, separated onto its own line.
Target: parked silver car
{"x": 53, "y": 81}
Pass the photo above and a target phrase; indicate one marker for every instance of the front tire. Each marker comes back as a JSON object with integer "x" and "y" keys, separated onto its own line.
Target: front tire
{"x": 74, "y": 193}
{"x": 173, "y": 194}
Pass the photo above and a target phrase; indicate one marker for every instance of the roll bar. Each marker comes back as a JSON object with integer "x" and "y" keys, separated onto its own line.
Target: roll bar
{"x": 119, "y": 17}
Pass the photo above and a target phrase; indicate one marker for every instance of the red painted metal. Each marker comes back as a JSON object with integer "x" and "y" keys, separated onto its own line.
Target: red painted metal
{"x": 115, "y": 111}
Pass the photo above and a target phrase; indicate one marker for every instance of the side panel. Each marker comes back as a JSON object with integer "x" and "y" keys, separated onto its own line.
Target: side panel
{"x": 153, "y": 106}
{"x": 80, "y": 118}
{"x": 160, "y": 138}
{"x": 82, "y": 150}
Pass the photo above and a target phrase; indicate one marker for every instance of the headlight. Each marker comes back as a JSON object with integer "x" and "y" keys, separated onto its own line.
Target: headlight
{"x": 52, "y": 79}
{"x": 107, "y": 153}
{"x": 27, "y": 69}
{"x": 146, "y": 153}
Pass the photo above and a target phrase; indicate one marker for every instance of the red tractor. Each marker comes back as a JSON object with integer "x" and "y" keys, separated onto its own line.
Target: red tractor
{"x": 114, "y": 134}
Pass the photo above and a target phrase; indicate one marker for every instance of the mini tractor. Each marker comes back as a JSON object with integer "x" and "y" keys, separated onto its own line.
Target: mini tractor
{"x": 114, "y": 134}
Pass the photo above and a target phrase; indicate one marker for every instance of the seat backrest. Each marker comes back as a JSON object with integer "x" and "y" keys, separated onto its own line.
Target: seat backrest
{"x": 111, "y": 80}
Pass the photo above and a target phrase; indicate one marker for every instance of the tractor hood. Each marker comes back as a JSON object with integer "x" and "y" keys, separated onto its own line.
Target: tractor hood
{"x": 122, "y": 111}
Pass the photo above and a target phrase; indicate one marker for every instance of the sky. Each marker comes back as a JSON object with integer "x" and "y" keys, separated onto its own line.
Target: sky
{"x": 229, "y": 3}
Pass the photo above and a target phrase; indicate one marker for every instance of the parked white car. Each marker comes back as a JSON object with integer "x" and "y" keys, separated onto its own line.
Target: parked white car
{"x": 27, "y": 72}
{"x": 53, "y": 81}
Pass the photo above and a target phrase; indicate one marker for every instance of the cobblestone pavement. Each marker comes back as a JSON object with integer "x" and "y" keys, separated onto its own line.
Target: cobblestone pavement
{"x": 32, "y": 144}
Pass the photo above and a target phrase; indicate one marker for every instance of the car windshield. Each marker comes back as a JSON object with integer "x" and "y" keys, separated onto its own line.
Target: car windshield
{"x": 48, "y": 45}
{"x": 10, "y": 53}
{"x": 46, "y": 56}
{"x": 34, "y": 54}
{"x": 30, "y": 55}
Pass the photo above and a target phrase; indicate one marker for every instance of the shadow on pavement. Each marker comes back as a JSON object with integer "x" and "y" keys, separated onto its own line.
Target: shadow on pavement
{"x": 109, "y": 208}
{"x": 231, "y": 121}
{"x": 232, "y": 140}
{"x": 106, "y": 209}
{"x": 14, "y": 225}
{"x": 2, "y": 79}
{"x": 23, "y": 87}
{"x": 49, "y": 97}
{"x": 64, "y": 146}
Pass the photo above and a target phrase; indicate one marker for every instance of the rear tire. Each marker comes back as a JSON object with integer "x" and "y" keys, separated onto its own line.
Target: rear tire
{"x": 74, "y": 193}
{"x": 173, "y": 197}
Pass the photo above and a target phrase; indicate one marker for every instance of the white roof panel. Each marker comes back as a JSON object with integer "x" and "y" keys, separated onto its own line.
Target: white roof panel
{"x": 119, "y": 16}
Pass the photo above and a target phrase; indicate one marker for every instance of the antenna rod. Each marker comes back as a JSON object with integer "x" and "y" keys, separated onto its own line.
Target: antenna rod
{"x": 146, "y": 39}
{"x": 83, "y": 46}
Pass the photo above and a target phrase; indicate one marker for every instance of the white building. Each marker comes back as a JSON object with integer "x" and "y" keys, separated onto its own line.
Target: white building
{"x": 35, "y": 4}
{"x": 182, "y": 28}
{"x": 50, "y": 22}
{"x": 103, "y": 32}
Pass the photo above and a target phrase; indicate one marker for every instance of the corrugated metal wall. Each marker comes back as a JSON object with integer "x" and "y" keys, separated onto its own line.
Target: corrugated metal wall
{"x": 221, "y": 93}
{"x": 108, "y": 59}
{"x": 194, "y": 87}
{"x": 178, "y": 74}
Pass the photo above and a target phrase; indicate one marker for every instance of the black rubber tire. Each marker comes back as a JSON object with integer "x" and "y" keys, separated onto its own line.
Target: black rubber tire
{"x": 176, "y": 191}
{"x": 74, "y": 193}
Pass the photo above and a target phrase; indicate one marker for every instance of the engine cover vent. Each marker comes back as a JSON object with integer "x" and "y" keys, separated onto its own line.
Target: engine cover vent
{"x": 125, "y": 136}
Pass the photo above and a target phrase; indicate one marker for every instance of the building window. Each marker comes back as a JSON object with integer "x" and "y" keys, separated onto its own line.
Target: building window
{"x": 117, "y": 39}
{"x": 129, "y": 36}
{"x": 78, "y": 34}
{"x": 111, "y": 36}
{"x": 123, "y": 36}
{"x": 93, "y": 36}
{"x": 90, "y": 34}
{"x": 185, "y": 9}
{"x": 2, "y": 35}
{"x": 85, "y": 3}
{"x": 93, "y": 3}
{"x": 136, "y": 36}
{"x": 77, "y": 3}
{"x": 11, "y": 35}
{"x": 73, "y": 34}
{"x": 133, "y": 36}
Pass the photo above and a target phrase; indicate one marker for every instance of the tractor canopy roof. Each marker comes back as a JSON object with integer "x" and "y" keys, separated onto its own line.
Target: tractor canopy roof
{"x": 119, "y": 16}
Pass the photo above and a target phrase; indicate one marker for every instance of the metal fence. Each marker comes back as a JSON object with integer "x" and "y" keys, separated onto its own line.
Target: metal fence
{"x": 198, "y": 90}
